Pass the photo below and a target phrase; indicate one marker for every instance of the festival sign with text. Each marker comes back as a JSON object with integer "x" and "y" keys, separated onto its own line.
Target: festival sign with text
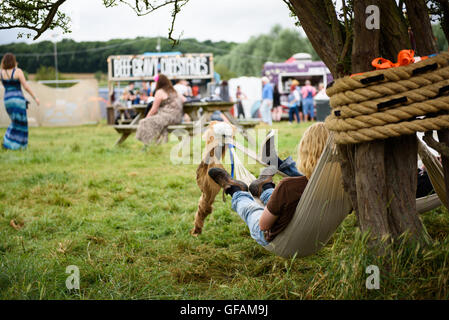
{"x": 143, "y": 67}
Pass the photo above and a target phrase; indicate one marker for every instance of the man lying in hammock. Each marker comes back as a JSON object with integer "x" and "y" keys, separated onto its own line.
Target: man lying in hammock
{"x": 280, "y": 201}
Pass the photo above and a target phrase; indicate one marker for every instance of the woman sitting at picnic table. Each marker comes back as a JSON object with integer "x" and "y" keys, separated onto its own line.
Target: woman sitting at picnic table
{"x": 166, "y": 110}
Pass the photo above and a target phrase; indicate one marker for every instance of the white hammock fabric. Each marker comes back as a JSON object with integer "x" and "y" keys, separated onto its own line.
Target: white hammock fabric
{"x": 323, "y": 206}
{"x": 324, "y": 203}
{"x": 241, "y": 173}
{"x": 435, "y": 171}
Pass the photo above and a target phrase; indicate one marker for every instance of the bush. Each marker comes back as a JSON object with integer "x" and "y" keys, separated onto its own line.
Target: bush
{"x": 49, "y": 73}
{"x": 46, "y": 73}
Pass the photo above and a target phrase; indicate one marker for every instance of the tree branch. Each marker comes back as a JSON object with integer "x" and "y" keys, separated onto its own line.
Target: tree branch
{"x": 317, "y": 24}
{"x": 49, "y": 18}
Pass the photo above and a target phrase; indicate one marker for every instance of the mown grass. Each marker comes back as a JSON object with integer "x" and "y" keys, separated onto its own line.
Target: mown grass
{"x": 123, "y": 216}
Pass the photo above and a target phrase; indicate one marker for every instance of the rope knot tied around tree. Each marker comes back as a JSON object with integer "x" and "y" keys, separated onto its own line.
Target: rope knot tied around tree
{"x": 391, "y": 102}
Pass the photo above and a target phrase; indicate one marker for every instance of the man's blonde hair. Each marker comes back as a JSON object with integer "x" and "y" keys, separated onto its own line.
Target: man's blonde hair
{"x": 311, "y": 147}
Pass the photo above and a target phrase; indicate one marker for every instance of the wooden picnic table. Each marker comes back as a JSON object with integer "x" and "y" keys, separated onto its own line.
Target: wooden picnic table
{"x": 140, "y": 114}
{"x": 193, "y": 108}
{"x": 125, "y": 128}
{"x": 209, "y": 107}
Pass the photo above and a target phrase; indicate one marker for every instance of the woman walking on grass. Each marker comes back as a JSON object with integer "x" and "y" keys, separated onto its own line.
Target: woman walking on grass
{"x": 16, "y": 136}
{"x": 166, "y": 110}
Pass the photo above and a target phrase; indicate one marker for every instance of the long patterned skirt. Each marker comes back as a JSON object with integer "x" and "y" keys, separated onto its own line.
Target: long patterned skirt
{"x": 154, "y": 128}
{"x": 16, "y": 136}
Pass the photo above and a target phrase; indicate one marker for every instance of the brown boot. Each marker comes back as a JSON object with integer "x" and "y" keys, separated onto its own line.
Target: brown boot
{"x": 266, "y": 176}
{"x": 224, "y": 180}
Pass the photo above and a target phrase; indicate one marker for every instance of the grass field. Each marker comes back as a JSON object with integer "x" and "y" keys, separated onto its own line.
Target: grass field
{"x": 123, "y": 215}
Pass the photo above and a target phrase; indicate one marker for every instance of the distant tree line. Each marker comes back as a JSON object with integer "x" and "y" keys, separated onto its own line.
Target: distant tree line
{"x": 247, "y": 59}
{"x": 90, "y": 57}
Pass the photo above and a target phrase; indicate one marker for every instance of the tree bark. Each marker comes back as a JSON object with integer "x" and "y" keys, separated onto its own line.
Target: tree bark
{"x": 370, "y": 175}
{"x": 401, "y": 180}
{"x": 417, "y": 12}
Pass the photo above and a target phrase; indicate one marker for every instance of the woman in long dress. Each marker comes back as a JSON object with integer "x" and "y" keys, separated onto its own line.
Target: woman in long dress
{"x": 16, "y": 136}
{"x": 166, "y": 110}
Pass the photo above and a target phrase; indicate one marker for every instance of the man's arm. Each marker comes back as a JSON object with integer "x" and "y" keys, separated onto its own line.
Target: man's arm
{"x": 267, "y": 219}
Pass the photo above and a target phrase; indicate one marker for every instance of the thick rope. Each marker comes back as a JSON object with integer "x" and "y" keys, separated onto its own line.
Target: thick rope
{"x": 388, "y": 116}
{"x": 369, "y": 112}
{"x": 392, "y": 130}
{"x": 391, "y": 75}
{"x": 429, "y": 80}
{"x": 372, "y": 106}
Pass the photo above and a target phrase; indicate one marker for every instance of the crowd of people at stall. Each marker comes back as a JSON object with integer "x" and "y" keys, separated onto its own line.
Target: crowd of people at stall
{"x": 299, "y": 104}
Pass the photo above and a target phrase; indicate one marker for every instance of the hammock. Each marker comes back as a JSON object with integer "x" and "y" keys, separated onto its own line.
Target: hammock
{"x": 324, "y": 203}
{"x": 241, "y": 173}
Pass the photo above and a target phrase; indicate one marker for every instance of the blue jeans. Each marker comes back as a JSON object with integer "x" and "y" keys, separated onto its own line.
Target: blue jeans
{"x": 265, "y": 110}
{"x": 291, "y": 111}
{"x": 250, "y": 211}
{"x": 288, "y": 167}
{"x": 307, "y": 105}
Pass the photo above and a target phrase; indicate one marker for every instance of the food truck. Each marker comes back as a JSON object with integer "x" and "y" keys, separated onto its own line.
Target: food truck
{"x": 299, "y": 67}
{"x": 197, "y": 68}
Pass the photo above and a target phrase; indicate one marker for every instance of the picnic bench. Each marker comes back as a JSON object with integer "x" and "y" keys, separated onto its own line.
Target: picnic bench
{"x": 126, "y": 127}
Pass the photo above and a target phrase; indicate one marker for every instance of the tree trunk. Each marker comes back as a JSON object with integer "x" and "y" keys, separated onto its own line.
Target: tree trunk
{"x": 370, "y": 172}
{"x": 386, "y": 171}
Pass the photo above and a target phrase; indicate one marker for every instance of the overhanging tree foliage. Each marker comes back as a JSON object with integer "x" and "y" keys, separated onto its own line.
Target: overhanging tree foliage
{"x": 36, "y": 15}
{"x": 43, "y": 15}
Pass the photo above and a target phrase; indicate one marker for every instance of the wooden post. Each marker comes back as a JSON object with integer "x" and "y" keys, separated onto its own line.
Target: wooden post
{"x": 110, "y": 113}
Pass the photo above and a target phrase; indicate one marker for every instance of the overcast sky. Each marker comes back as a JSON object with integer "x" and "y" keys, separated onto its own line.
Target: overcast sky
{"x": 229, "y": 20}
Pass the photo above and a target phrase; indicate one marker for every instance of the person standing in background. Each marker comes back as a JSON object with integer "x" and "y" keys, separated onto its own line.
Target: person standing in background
{"x": 321, "y": 88}
{"x": 13, "y": 79}
{"x": 224, "y": 91}
{"x": 239, "y": 96}
{"x": 277, "y": 108}
{"x": 132, "y": 97}
{"x": 146, "y": 92}
{"x": 293, "y": 101}
{"x": 300, "y": 107}
{"x": 181, "y": 88}
{"x": 308, "y": 92}
{"x": 267, "y": 101}
{"x": 189, "y": 89}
